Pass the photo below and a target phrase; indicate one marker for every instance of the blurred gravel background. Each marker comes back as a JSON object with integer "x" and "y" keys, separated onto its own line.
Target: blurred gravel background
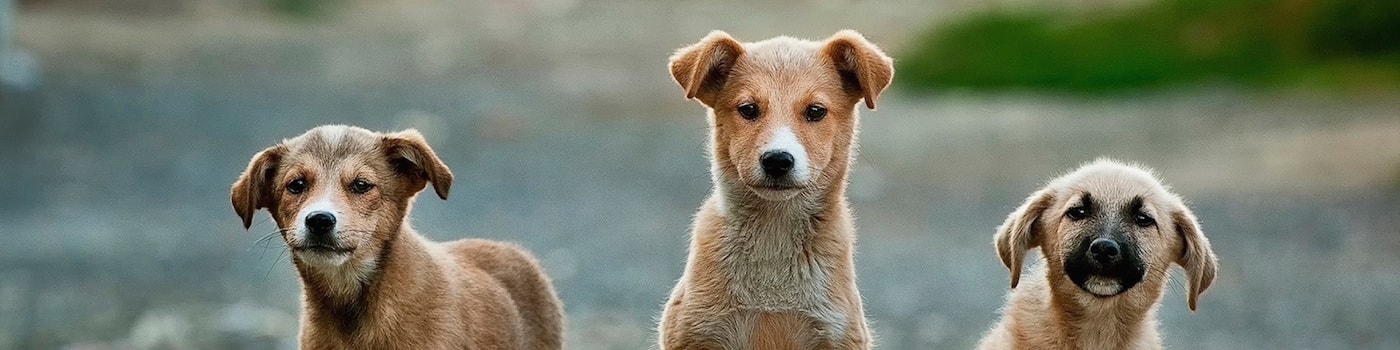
{"x": 122, "y": 124}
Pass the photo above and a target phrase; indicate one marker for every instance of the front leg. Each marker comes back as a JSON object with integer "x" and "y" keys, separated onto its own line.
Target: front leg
{"x": 678, "y": 326}
{"x": 707, "y": 328}
{"x": 692, "y": 334}
{"x": 687, "y": 339}
{"x": 853, "y": 336}
{"x": 682, "y": 345}
{"x": 850, "y": 342}
{"x": 855, "y": 342}
{"x": 669, "y": 333}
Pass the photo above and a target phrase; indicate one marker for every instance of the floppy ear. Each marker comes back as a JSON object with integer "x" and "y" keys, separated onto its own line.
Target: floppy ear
{"x": 702, "y": 68}
{"x": 1021, "y": 232}
{"x": 254, "y": 188}
{"x": 410, "y": 155}
{"x": 1196, "y": 256}
{"x": 863, "y": 67}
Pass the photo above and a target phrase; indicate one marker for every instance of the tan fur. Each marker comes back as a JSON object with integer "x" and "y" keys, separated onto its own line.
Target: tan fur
{"x": 773, "y": 269}
{"x": 1048, "y": 311}
{"x": 392, "y": 288}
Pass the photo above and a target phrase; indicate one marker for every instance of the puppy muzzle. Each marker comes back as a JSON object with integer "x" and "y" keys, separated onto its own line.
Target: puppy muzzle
{"x": 1104, "y": 266}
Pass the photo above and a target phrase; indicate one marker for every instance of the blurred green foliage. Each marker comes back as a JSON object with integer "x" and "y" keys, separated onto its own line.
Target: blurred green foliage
{"x": 301, "y": 8}
{"x": 1260, "y": 43}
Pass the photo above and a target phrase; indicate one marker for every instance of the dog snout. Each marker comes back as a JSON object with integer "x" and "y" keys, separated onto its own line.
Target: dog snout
{"x": 320, "y": 223}
{"x": 776, "y": 164}
{"x": 1105, "y": 251}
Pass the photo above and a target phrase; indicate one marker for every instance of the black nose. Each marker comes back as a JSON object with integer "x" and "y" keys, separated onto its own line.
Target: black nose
{"x": 1104, "y": 250}
{"x": 320, "y": 222}
{"x": 776, "y": 163}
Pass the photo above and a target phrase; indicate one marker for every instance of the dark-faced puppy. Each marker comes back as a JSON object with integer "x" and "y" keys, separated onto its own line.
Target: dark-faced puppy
{"x": 340, "y": 196}
{"x": 1108, "y": 234}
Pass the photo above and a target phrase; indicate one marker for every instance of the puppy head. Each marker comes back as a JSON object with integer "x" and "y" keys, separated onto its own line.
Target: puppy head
{"x": 782, "y": 110}
{"x": 1107, "y": 228}
{"x": 339, "y": 192}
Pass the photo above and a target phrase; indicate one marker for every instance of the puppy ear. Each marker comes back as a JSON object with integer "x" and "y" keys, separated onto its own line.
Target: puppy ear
{"x": 1196, "y": 256}
{"x": 410, "y": 155}
{"x": 863, "y": 67}
{"x": 1021, "y": 232}
{"x": 702, "y": 68}
{"x": 254, "y": 188}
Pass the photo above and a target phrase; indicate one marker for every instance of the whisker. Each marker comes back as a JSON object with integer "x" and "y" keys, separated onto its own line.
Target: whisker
{"x": 268, "y": 245}
{"x": 274, "y": 264}
{"x": 705, "y": 176}
{"x": 1176, "y": 282}
{"x": 261, "y": 253}
{"x": 266, "y": 238}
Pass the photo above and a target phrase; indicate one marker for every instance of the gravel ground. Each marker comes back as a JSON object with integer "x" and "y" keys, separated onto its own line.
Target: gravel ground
{"x": 572, "y": 141}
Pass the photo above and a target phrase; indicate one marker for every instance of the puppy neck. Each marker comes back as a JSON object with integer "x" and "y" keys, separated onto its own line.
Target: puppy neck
{"x": 787, "y": 223}
{"x": 782, "y": 255}
{"x": 345, "y": 296}
{"x": 1118, "y": 322}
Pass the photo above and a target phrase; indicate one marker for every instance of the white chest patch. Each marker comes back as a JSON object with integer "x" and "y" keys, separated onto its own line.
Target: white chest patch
{"x": 771, "y": 271}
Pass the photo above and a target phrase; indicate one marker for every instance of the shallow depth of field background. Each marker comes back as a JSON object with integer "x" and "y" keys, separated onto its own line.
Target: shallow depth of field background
{"x": 122, "y": 124}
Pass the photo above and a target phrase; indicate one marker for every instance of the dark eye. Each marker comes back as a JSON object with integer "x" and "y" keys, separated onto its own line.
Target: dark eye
{"x": 360, "y": 186}
{"x": 1142, "y": 220}
{"x": 1077, "y": 213}
{"x": 815, "y": 113}
{"x": 296, "y": 186}
{"x": 749, "y": 111}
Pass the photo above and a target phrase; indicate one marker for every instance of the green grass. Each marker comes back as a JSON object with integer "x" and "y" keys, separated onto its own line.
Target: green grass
{"x": 1257, "y": 43}
{"x": 303, "y": 9}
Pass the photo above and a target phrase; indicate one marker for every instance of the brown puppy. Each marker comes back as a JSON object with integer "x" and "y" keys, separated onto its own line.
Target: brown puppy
{"x": 339, "y": 195}
{"x": 770, "y": 263}
{"x": 1108, "y": 233}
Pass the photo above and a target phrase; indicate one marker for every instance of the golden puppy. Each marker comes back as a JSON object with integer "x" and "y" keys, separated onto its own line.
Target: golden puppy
{"x": 1108, "y": 234}
{"x": 340, "y": 196}
{"x": 770, "y": 263}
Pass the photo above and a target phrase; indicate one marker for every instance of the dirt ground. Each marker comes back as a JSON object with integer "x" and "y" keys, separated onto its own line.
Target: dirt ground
{"x": 567, "y": 135}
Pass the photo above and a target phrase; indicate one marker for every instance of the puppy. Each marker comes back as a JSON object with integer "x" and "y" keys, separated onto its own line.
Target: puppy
{"x": 1108, "y": 234}
{"x": 340, "y": 196}
{"x": 770, "y": 263}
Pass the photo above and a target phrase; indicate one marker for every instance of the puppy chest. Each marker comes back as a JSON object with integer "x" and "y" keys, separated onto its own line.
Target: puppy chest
{"x": 777, "y": 278}
{"x": 773, "y": 286}
{"x": 782, "y": 331}
{"x": 772, "y": 266}
{"x": 787, "y": 330}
